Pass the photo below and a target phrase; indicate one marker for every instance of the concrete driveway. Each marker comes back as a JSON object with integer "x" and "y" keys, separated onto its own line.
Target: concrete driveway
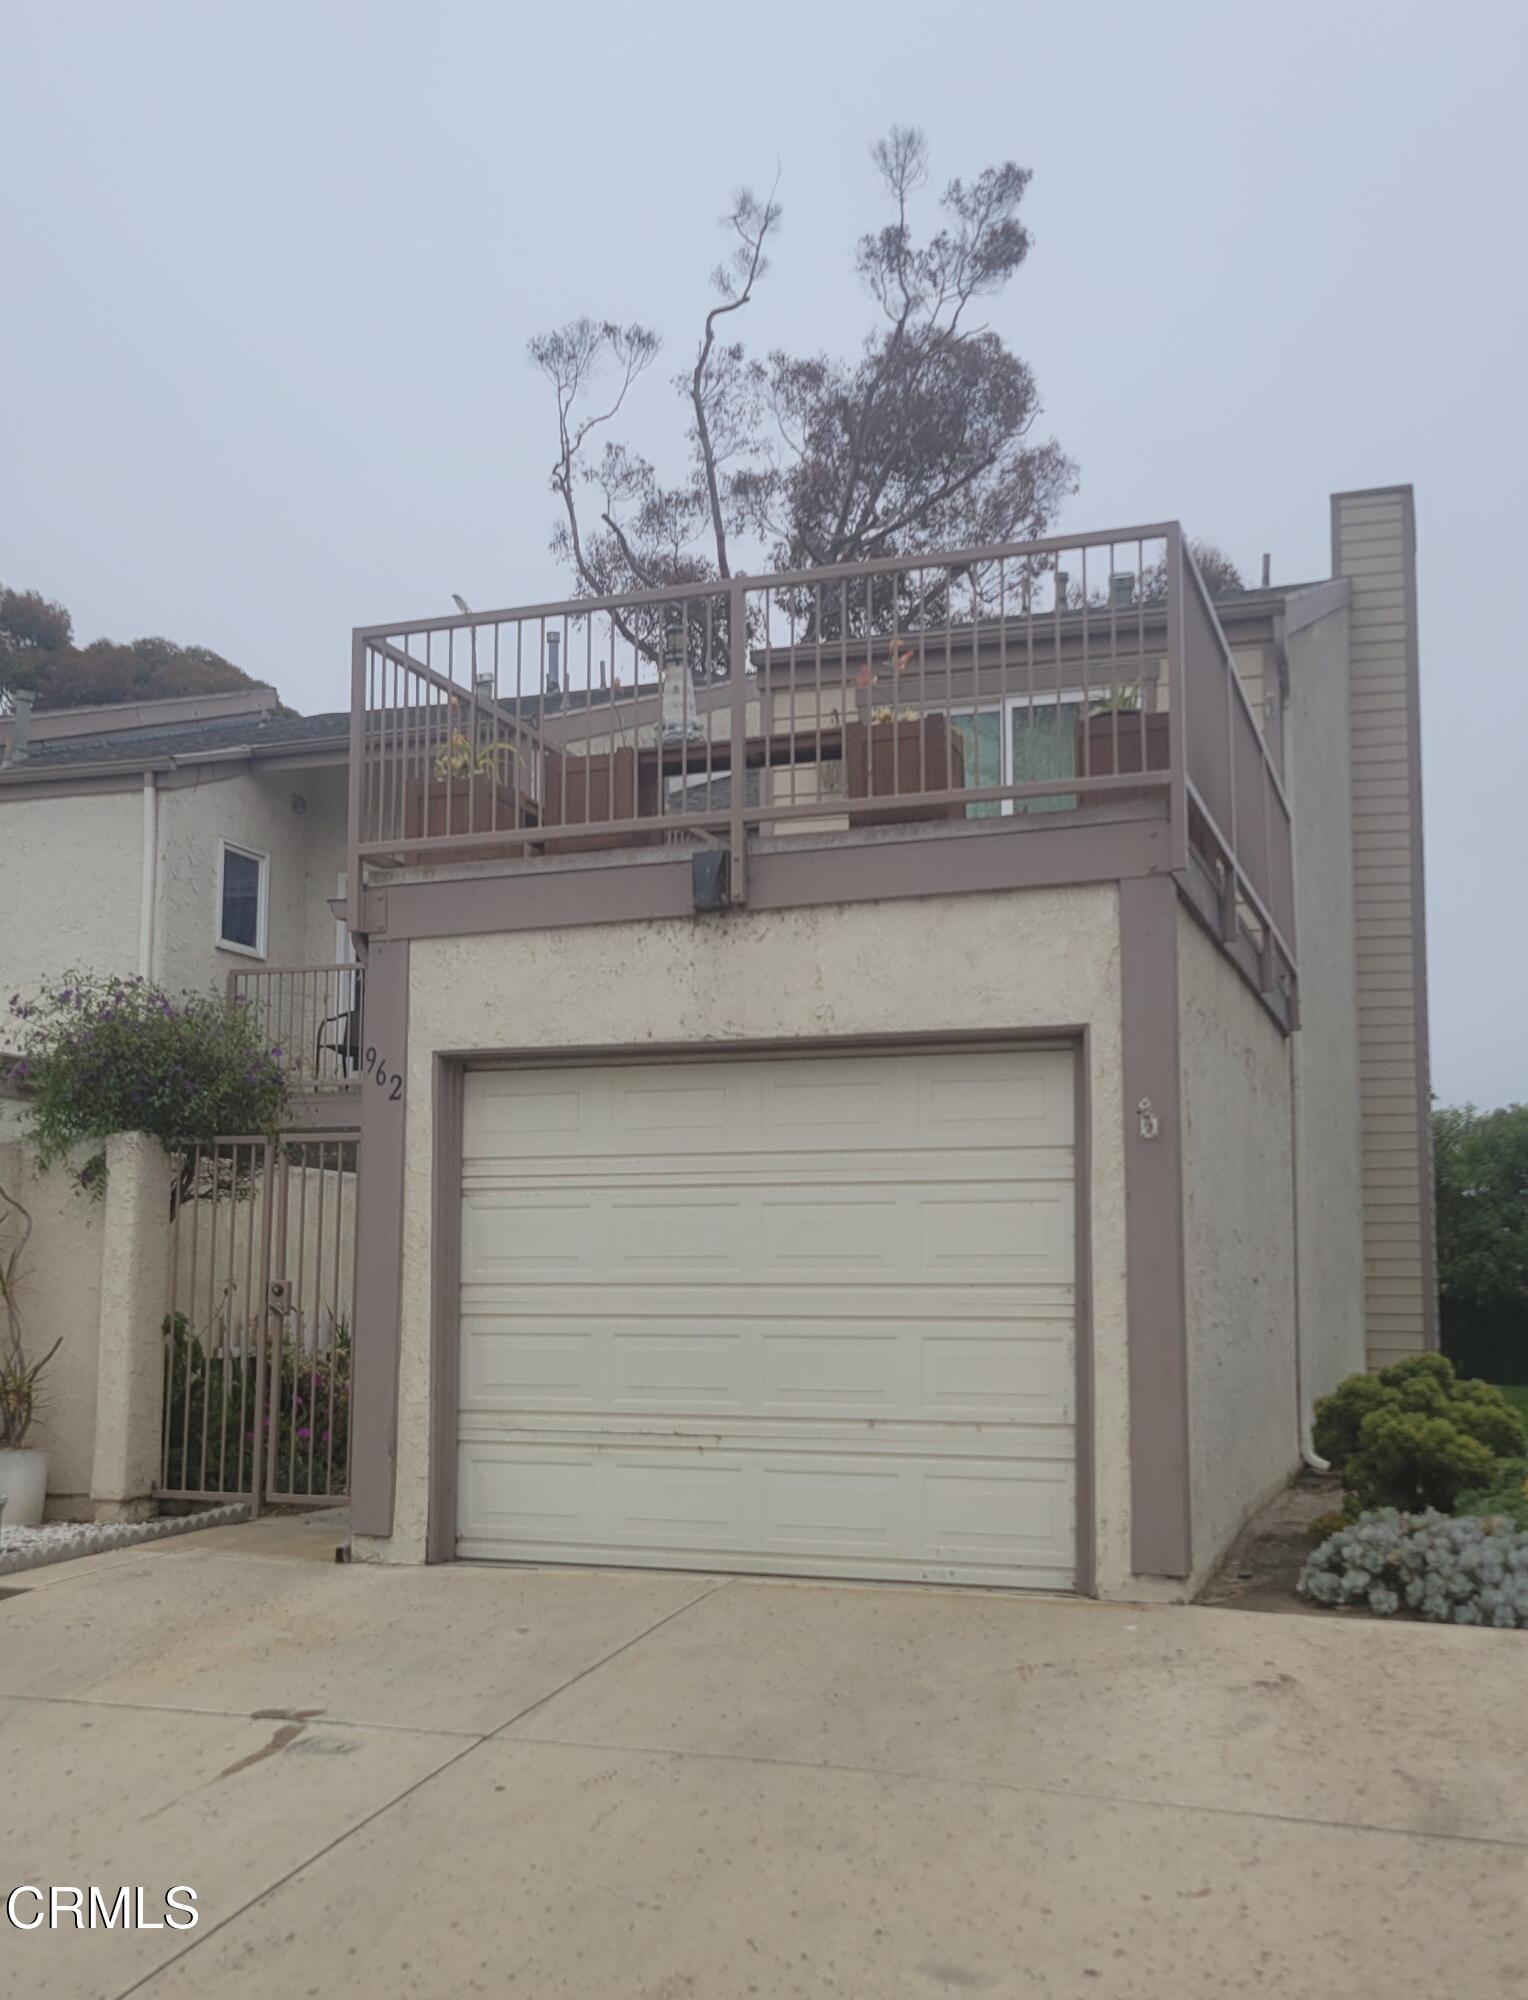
{"x": 471, "y": 1781}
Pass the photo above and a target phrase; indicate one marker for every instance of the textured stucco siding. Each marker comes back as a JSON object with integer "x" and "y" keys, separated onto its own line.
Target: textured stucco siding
{"x": 1238, "y": 1245}
{"x": 306, "y": 849}
{"x": 1329, "y": 1188}
{"x": 1374, "y": 546}
{"x": 59, "y": 1287}
{"x": 1000, "y": 962}
{"x": 71, "y": 888}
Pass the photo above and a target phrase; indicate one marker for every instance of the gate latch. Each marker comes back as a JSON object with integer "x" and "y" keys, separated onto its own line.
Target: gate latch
{"x": 278, "y": 1295}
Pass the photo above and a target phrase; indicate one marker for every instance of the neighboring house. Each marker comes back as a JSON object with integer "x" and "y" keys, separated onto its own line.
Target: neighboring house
{"x": 836, "y": 1173}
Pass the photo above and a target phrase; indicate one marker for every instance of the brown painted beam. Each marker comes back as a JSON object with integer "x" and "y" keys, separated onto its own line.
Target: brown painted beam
{"x": 379, "y": 1240}
{"x": 1161, "y": 1537}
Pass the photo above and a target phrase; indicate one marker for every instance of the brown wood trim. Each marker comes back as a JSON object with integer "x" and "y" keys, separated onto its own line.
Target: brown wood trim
{"x": 379, "y": 1241}
{"x": 448, "y": 1094}
{"x": 1203, "y": 903}
{"x": 1083, "y": 1418}
{"x": 445, "y": 1269}
{"x": 1161, "y": 1537}
{"x": 948, "y": 862}
{"x": 1038, "y": 857}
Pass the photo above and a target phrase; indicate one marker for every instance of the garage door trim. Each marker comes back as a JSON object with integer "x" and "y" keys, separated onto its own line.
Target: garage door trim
{"x": 448, "y": 1093}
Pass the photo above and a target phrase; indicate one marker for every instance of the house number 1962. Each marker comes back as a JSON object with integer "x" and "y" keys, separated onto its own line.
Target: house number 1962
{"x": 390, "y": 1080}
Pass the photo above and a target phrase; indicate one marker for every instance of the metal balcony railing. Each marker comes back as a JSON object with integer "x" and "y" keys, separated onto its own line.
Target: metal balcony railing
{"x": 313, "y": 1014}
{"x": 1039, "y": 683}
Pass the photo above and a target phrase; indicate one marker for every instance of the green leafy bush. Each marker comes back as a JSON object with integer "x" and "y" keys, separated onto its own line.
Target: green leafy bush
{"x": 1327, "y": 1524}
{"x": 1414, "y": 1435}
{"x": 1507, "y": 1494}
{"x": 1460, "y": 1571}
{"x": 104, "y": 1055}
{"x": 1408, "y": 1460}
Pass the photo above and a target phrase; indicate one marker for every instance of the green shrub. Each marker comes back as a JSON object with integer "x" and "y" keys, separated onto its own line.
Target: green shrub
{"x": 1506, "y": 1495}
{"x": 1329, "y": 1523}
{"x": 1414, "y": 1435}
{"x": 1408, "y": 1460}
{"x": 105, "y": 1055}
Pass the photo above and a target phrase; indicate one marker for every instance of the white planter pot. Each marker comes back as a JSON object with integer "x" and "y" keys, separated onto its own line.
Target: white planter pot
{"x": 23, "y": 1485}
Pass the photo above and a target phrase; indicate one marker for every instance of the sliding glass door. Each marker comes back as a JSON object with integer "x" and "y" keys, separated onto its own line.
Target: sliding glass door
{"x": 1017, "y": 743}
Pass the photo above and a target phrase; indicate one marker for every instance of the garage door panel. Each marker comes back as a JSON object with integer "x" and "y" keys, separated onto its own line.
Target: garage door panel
{"x": 578, "y": 1173}
{"x": 537, "y": 1301}
{"x": 1016, "y": 1375}
{"x": 853, "y": 1370}
{"x": 951, "y": 1235}
{"x": 777, "y": 1510}
{"x": 774, "y": 1104}
{"x": 781, "y": 1314}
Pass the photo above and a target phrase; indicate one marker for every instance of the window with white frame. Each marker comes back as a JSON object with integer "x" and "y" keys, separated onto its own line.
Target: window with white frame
{"x": 244, "y": 877}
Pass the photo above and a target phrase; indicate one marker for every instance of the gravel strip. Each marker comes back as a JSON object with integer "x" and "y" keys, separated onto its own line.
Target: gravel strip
{"x": 62, "y": 1541}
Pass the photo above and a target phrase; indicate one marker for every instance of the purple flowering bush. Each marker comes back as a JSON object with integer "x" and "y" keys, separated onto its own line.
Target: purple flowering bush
{"x": 102, "y": 1054}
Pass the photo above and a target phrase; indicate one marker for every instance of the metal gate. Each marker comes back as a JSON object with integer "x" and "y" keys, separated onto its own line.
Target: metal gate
{"x": 257, "y": 1330}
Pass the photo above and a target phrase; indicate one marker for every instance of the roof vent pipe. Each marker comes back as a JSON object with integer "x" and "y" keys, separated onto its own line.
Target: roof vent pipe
{"x": 17, "y": 751}
{"x": 553, "y": 646}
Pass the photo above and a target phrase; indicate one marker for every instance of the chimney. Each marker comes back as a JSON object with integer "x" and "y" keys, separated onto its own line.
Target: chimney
{"x": 1122, "y": 589}
{"x": 553, "y": 645}
{"x": 482, "y": 687}
{"x": 1062, "y": 580}
{"x": 21, "y": 726}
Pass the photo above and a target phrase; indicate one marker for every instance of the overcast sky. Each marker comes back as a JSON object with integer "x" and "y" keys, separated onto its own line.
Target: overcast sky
{"x": 269, "y": 271}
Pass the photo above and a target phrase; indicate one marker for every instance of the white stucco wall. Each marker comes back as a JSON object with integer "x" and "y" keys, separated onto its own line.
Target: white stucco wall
{"x": 71, "y": 884}
{"x": 1027, "y": 959}
{"x": 1238, "y": 1243}
{"x": 70, "y": 888}
{"x": 306, "y": 849}
{"x": 1328, "y": 1101}
{"x": 60, "y": 1293}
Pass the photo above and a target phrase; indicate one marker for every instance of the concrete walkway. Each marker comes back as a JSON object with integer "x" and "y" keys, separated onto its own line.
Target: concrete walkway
{"x": 471, "y": 1781}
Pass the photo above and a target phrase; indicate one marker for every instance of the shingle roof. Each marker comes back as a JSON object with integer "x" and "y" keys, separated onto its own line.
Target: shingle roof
{"x": 184, "y": 740}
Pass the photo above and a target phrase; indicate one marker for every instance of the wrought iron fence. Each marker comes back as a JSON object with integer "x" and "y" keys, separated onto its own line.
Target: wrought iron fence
{"x": 313, "y": 1014}
{"x": 259, "y": 1319}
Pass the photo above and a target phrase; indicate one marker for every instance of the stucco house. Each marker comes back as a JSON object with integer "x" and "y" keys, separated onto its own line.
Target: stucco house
{"x": 911, "y": 1071}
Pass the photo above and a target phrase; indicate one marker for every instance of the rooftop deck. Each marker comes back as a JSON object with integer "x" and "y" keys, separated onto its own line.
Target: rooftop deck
{"x": 1038, "y": 693}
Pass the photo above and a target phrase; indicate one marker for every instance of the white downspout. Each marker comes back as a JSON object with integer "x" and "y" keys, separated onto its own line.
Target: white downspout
{"x": 150, "y": 876}
{"x": 1302, "y": 1403}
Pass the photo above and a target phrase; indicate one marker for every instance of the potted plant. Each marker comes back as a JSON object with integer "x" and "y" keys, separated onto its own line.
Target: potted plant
{"x": 1116, "y": 737}
{"x": 890, "y": 751}
{"x": 467, "y": 791}
{"x": 23, "y": 1466}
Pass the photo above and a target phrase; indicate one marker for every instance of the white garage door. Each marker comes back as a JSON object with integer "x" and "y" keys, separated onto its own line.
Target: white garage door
{"x": 809, "y": 1316}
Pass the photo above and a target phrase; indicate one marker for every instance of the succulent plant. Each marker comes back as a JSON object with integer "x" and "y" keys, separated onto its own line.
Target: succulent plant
{"x": 1463, "y": 1569}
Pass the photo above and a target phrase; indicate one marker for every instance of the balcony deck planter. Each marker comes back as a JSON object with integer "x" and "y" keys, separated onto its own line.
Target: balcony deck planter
{"x": 1110, "y": 745}
{"x": 605, "y": 785}
{"x": 437, "y": 808}
{"x": 889, "y": 760}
